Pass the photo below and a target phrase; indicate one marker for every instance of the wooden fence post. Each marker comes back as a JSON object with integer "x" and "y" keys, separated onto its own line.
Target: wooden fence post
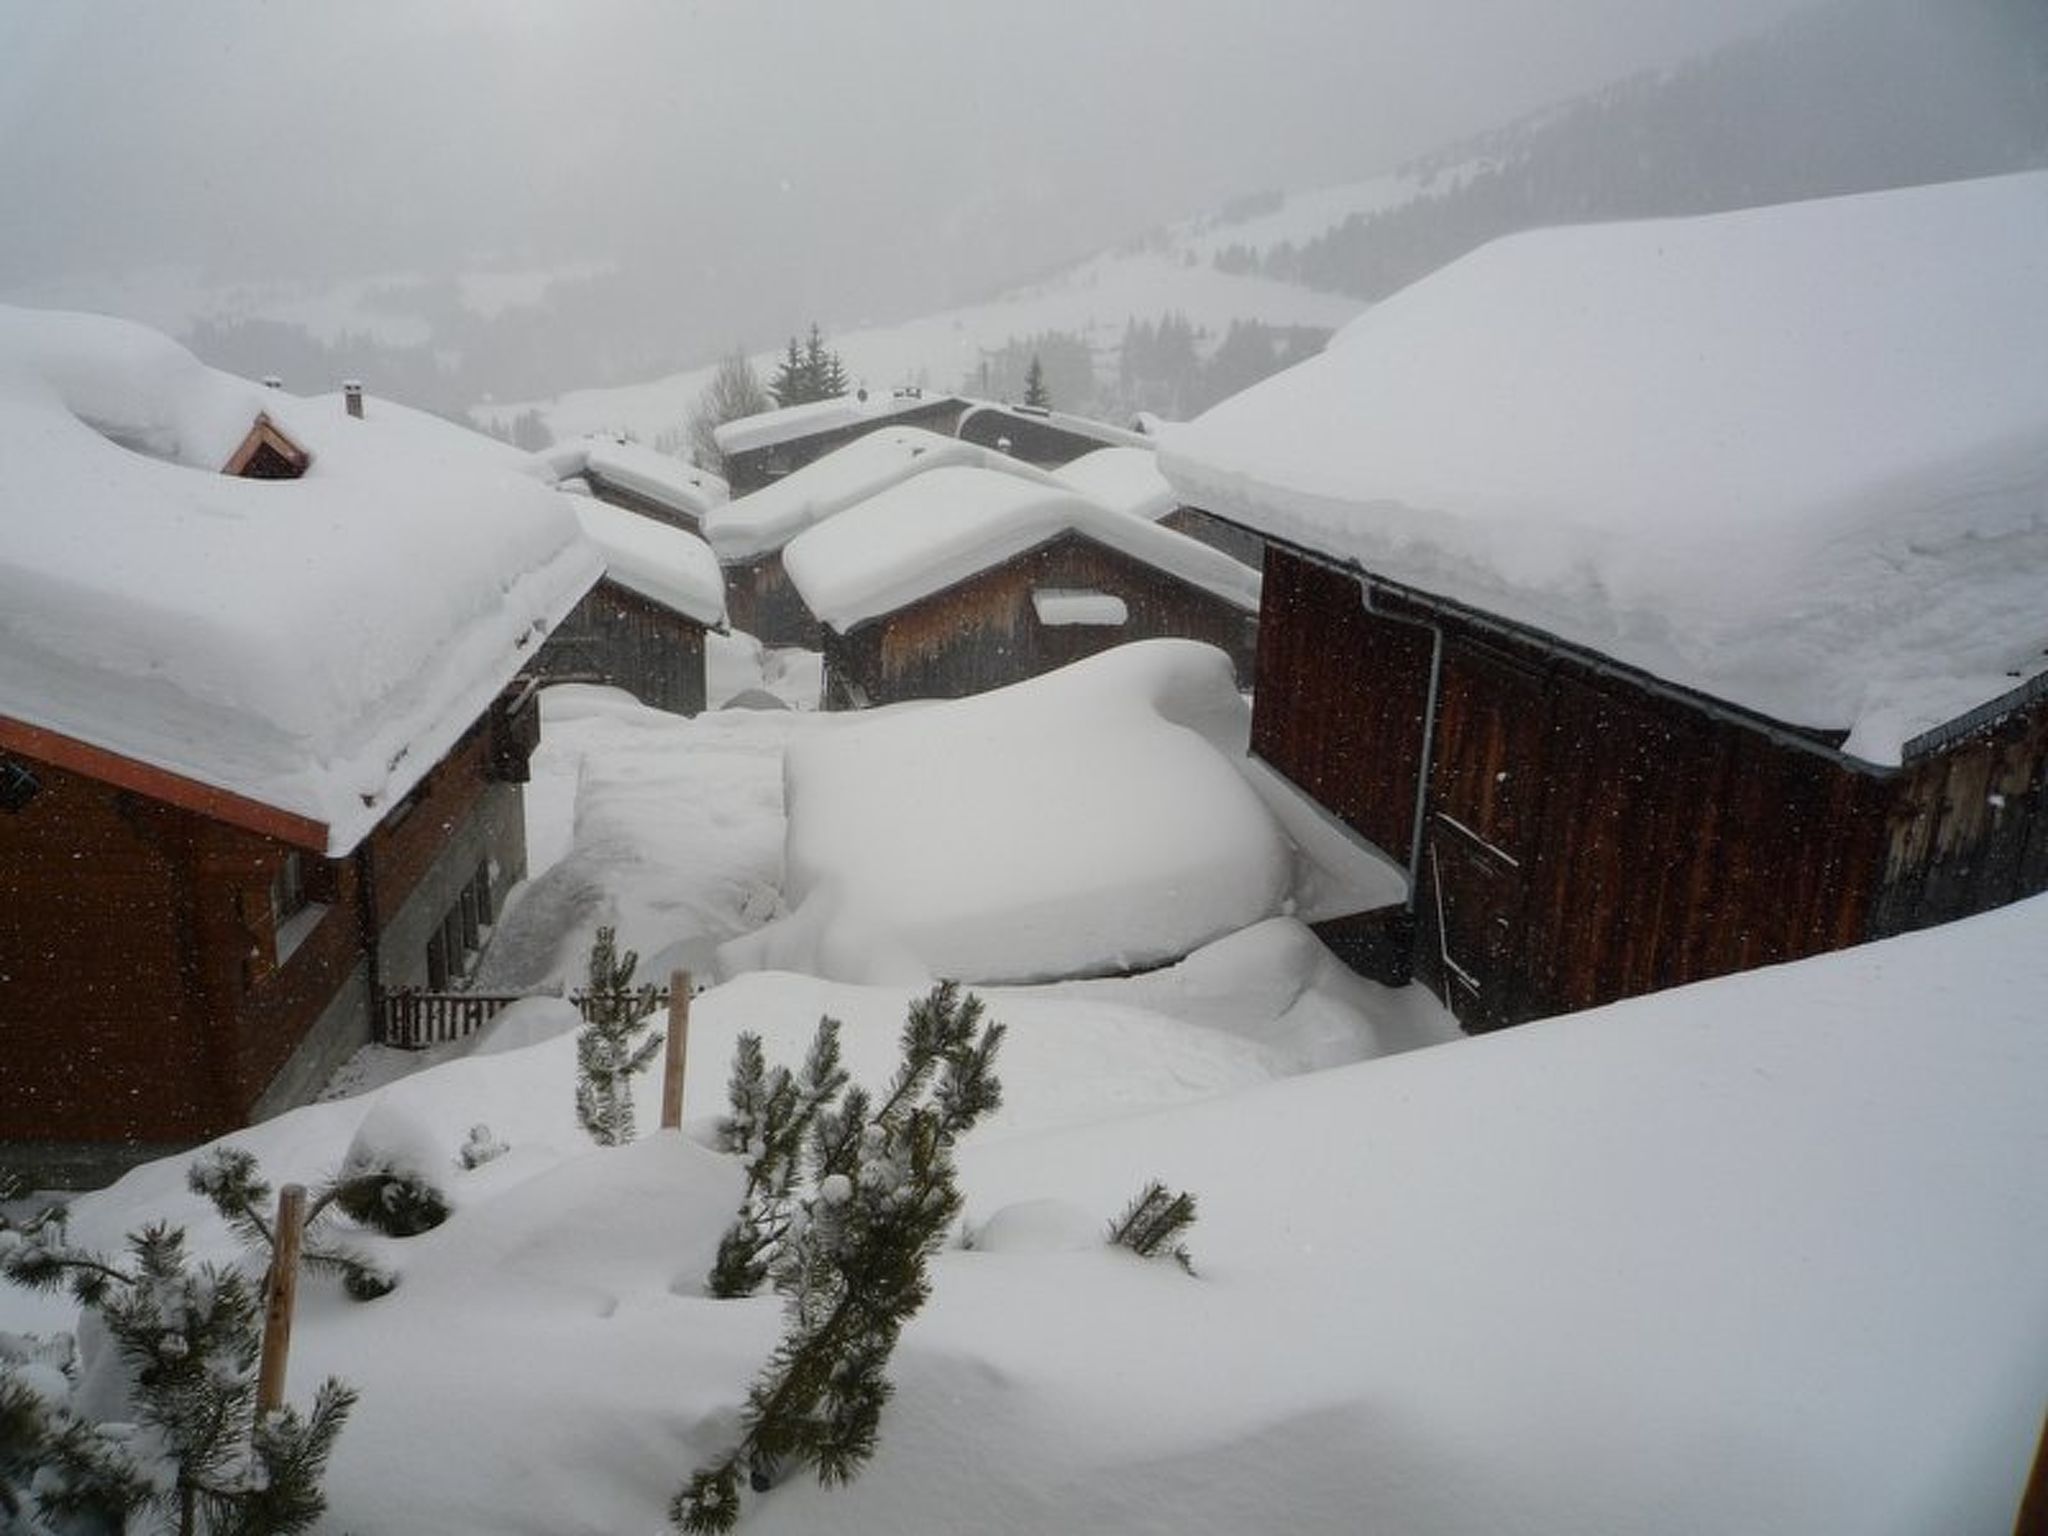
{"x": 281, "y": 1291}
{"x": 678, "y": 1051}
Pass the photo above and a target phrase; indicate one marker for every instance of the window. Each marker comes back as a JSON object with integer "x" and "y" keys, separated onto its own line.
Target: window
{"x": 293, "y": 911}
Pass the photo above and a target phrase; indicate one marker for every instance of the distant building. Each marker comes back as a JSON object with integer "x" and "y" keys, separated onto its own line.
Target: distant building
{"x": 1040, "y": 436}
{"x": 260, "y": 738}
{"x": 1666, "y": 598}
{"x": 761, "y": 449}
{"x": 642, "y": 628}
{"x": 636, "y": 479}
{"x": 750, "y": 532}
{"x": 964, "y": 579}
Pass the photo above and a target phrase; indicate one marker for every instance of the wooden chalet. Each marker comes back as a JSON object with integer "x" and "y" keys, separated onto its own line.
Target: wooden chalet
{"x": 214, "y": 865}
{"x": 965, "y": 579}
{"x": 1492, "y": 676}
{"x": 758, "y": 450}
{"x": 643, "y": 627}
{"x": 750, "y": 532}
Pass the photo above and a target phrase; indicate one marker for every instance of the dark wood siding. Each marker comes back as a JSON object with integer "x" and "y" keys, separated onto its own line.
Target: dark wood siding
{"x": 761, "y": 600}
{"x": 617, "y": 637}
{"x": 1341, "y": 698}
{"x": 983, "y": 633}
{"x": 1591, "y": 840}
{"x": 629, "y": 500}
{"x": 1970, "y": 828}
{"x": 1034, "y": 439}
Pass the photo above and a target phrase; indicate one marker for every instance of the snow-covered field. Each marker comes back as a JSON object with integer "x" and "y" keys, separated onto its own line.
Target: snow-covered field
{"x": 1760, "y": 1255}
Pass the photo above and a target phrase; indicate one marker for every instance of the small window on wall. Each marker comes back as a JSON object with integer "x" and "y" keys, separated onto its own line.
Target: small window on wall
{"x": 295, "y": 907}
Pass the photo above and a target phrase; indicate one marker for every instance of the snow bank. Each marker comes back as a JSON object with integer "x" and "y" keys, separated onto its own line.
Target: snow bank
{"x": 1086, "y": 821}
{"x": 662, "y": 563}
{"x": 923, "y": 535}
{"x": 1793, "y": 457}
{"x": 765, "y": 520}
{"x": 1756, "y": 1255}
{"x": 315, "y": 645}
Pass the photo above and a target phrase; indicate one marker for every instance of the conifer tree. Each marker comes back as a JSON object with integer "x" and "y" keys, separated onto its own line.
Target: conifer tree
{"x": 187, "y": 1340}
{"x": 790, "y": 386}
{"x": 850, "y": 1254}
{"x": 615, "y": 1046}
{"x": 1153, "y": 1222}
{"x": 1035, "y": 392}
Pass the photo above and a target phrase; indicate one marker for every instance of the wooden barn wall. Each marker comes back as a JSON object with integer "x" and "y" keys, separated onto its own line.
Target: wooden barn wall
{"x": 1589, "y": 840}
{"x": 1341, "y": 699}
{"x": 617, "y": 637}
{"x": 140, "y": 998}
{"x": 1238, "y": 543}
{"x": 983, "y": 633}
{"x": 761, "y": 600}
{"x": 1969, "y": 831}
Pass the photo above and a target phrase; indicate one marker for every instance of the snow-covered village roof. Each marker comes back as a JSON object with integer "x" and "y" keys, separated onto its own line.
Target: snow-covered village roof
{"x": 313, "y": 645}
{"x": 1794, "y": 457}
{"x": 1085, "y": 426}
{"x": 767, "y": 428}
{"x": 764, "y": 521}
{"x": 1124, "y": 478}
{"x": 667, "y": 565}
{"x": 660, "y": 477}
{"x": 925, "y": 534}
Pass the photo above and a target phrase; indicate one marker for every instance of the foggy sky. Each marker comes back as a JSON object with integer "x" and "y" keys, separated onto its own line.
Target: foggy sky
{"x": 782, "y": 159}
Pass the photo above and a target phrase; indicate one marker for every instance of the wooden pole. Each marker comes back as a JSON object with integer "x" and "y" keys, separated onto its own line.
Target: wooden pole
{"x": 678, "y": 1051}
{"x": 280, "y": 1293}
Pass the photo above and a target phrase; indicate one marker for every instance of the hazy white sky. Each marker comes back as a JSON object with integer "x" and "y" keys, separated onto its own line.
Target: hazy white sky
{"x": 848, "y": 157}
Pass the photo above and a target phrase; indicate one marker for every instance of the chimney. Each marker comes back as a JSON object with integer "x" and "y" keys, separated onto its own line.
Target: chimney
{"x": 352, "y": 397}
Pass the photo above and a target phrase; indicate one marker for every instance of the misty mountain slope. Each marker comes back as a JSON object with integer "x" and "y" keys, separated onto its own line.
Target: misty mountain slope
{"x": 1854, "y": 97}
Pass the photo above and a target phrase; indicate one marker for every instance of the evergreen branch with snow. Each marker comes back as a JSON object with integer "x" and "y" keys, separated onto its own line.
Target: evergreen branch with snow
{"x": 851, "y": 1257}
{"x": 610, "y": 1051}
{"x": 1152, "y": 1225}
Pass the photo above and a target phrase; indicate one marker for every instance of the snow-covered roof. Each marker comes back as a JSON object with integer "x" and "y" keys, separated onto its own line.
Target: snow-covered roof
{"x": 660, "y": 477}
{"x": 1793, "y": 457}
{"x": 664, "y": 564}
{"x": 1066, "y": 421}
{"x": 315, "y": 645}
{"x": 767, "y": 428}
{"x": 764, "y": 521}
{"x": 1124, "y": 478}
{"x": 925, "y": 534}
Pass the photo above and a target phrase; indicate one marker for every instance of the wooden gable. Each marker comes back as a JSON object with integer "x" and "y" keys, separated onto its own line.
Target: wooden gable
{"x": 266, "y": 453}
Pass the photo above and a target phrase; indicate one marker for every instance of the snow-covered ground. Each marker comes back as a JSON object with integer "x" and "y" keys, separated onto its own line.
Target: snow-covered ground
{"x": 1763, "y": 1254}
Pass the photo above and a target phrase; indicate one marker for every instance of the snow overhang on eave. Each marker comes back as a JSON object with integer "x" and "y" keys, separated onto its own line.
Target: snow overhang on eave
{"x": 188, "y": 794}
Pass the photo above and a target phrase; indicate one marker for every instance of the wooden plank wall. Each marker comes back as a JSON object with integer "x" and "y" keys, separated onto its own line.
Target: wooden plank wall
{"x": 1341, "y": 698}
{"x": 1970, "y": 829}
{"x": 617, "y": 637}
{"x": 1643, "y": 842}
{"x": 982, "y": 633}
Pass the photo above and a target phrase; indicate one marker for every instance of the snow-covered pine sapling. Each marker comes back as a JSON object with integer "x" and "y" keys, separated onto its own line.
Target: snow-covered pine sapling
{"x": 850, "y": 1257}
{"x": 186, "y": 1342}
{"x": 229, "y": 1179}
{"x": 771, "y": 1115}
{"x": 1154, "y": 1223}
{"x": 481, "y": 1146}
{"x": 611, "y": 1050}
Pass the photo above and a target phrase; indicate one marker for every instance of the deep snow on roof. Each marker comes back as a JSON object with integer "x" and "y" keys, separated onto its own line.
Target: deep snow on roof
{"x": 660, "y": 477}
{"x": 793, "y": 421}
{"x": 314, "y": 645}
{"x": 664, "y": 564}
{"x": 763, "y": 521}
{"x": 924, "y": 534}
{"x": 1083, "y": 426}
{"x": 1793, "y": 457}
{"x": 1124, "y": 478}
